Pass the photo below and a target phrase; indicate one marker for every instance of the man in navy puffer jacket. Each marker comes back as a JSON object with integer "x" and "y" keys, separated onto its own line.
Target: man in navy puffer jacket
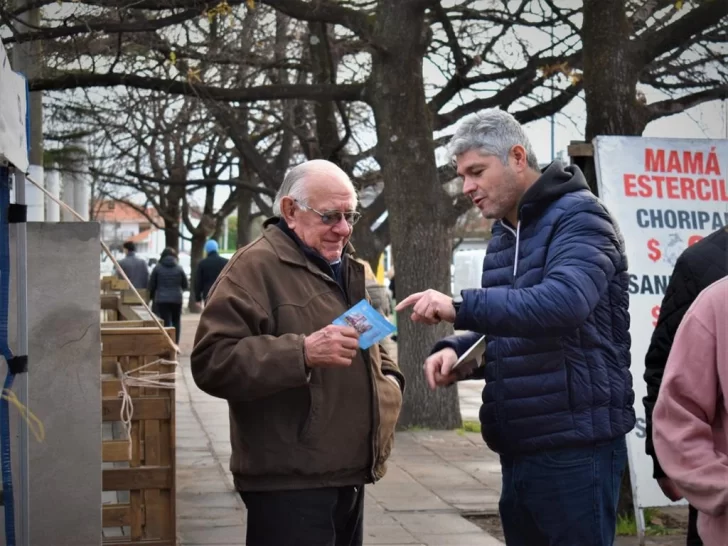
{"x": 553, "y": 307}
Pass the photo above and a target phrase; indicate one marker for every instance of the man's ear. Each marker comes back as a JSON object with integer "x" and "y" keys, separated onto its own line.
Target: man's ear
{"x": 288, "y": 208}
{"x": 519, "y": 158}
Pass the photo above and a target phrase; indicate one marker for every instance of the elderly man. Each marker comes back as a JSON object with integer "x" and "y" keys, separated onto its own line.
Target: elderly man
{"x": 558, "y": 399}
{"x": 312, "y": 415}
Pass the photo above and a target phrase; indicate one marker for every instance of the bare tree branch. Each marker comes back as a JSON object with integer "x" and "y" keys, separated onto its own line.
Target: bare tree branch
{"x": 701, "y": 17}
{"x": 107, "y": 27}
{"x": 74, "y": 80}
{"x": 203, "y": 182}
{"x": 671, "y": 107}
{"x": 324, "y": 11}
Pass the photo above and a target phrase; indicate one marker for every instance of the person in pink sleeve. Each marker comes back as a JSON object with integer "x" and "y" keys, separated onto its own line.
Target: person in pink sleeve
{"x": 690, "y": 421}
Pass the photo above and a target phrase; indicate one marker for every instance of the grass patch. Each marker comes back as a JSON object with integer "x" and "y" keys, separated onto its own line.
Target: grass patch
{"x": 469, "y": 426}
{"x": 655, "y": 524}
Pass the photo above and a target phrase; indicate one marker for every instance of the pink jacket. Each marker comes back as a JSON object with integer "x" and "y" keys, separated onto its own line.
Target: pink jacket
{"x": 691, "y": 415}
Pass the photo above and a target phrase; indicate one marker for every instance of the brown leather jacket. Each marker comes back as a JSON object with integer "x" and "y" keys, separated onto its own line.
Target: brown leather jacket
{"x": 288, "y": 431}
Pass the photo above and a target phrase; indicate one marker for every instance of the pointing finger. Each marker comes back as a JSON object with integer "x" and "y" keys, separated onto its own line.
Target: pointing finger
{"x": 409, "y": 300}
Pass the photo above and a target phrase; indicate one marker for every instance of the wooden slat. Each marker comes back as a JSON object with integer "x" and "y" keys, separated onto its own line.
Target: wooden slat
{"x": 110, "y": 388}
{"x": 108, "y": 365}
{"x": 116, "y": 515}
{"x": 115, "y": 451}
{"x": 125, "y": 324}
{"x": 134, "y": 341}
{"x": 144, "y": 408}
{"x": 129, "y": 297}
{"x": 126, "y": 312}
{"x": 138, "y": 518}
{"x": 152, "y": 499}
{"x": 168, "y": 458}
{"x": 110, "y": 301}
{"x": 580, "y": 149}
{"x": 153, "y": 542}
{"x": 130, "y": 479}
{"x": 136, "y": 444}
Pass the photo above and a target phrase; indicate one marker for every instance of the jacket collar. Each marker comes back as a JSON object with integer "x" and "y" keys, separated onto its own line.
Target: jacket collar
{"x": 291, "y": 251}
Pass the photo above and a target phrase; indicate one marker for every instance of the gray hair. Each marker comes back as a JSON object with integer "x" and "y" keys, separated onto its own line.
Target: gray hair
{"x": 491, "y": 132}
{"x": 294, "y": 186}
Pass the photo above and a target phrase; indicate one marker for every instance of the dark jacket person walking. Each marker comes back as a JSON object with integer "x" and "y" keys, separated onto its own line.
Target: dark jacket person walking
{"x": 208, "y": 270}
{"x": 134, "y": 267}
{"x": 166, "y": 287}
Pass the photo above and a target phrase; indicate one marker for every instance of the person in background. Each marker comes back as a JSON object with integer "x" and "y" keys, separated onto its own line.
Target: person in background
{"x": 390, "y": 276}
{"x": 166, "y": 286}
{"x": 690, "y": 419}
{"x": 553, "y": 308}
{"x": 312, "y": 415}
{"x": 378, "y": 293}
{"x": 699, "y": 266}
{"x": 208, "y": 270}
{"x": 134, "y": 267}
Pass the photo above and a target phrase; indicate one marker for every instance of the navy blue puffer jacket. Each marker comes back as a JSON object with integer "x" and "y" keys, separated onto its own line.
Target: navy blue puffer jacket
{"x": 554, "y": 309}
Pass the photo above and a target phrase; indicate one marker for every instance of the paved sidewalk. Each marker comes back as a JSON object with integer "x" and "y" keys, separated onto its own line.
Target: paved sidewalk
{"x": 433, "y": 478}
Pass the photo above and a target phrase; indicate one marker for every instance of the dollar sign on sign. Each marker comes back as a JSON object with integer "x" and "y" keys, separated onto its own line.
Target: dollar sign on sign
{"x": 655, "y": 253}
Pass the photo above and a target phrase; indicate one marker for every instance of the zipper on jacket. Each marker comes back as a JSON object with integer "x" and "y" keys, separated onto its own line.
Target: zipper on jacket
{"x": 499, "y": 423}
{"x": 375, "y": 414}
{"x": 517, "y": 234}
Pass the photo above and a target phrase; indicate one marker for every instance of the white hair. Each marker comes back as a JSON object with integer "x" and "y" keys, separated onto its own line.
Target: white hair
{"x": 294, "y": 186}
{"x": 492, "y": 132}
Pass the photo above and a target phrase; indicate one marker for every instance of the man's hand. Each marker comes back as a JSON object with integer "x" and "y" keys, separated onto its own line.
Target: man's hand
{"x": 669, "y": 489}
{"x": 438, "y": 368}
{"x": 331, "y": 347}
{"x": 429, "y": 307}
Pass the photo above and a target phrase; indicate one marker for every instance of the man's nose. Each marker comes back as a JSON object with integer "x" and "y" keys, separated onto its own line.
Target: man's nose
{"x": 468, "y": 186}
{"x": 342, "y": 227}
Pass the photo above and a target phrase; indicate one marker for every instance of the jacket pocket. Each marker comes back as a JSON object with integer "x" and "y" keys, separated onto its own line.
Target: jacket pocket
{"x": 311, "y": 425}
{"x": 390, "y": 404}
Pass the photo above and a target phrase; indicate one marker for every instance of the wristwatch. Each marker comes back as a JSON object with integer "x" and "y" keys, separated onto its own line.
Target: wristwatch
{"x": 457, "y": 301}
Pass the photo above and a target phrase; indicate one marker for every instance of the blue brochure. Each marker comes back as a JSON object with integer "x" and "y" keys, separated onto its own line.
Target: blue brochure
{"x": 370, "y": 324}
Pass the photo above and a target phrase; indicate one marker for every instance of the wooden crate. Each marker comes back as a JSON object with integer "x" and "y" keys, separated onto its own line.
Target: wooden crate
{"x": 115, "y": 310}
{"x": 148, "y": 472}
{"x": 130, "y": 298}
{"x": 110, "y": 283}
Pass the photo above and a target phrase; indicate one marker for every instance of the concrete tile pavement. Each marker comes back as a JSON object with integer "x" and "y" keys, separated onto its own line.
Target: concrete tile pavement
{"x": 432, "y": 478}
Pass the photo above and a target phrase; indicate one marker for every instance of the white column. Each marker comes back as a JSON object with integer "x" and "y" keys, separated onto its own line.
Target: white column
{"x": 34, "y": 197}
{"x": 82, "y": 192}
{"x": 53, "y": 185}
{"x": 68, "y": 196}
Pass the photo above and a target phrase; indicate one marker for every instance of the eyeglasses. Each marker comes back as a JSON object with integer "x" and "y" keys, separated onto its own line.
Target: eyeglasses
{"x": 333, "y": 217}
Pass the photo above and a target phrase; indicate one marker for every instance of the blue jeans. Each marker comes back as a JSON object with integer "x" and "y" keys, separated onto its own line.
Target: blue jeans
{"x": 563, "y": 497}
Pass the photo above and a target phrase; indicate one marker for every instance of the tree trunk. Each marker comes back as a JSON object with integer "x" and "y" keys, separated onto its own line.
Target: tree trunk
{"x": 196, "y": 254}
{"x": 421, "y": 238}
{"x": 368, "y": 244}
{"x": 324, "y": 69}
{"x": 610, "y": 76}
{"x": 245, "y": 205}
{"x": 612, "y": 108}
{"x": 172, "y": 216}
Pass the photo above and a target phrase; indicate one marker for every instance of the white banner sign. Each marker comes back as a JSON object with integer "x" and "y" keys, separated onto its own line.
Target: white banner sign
{"x": 665, "y": 194}
{"x": 13, "y": 107}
